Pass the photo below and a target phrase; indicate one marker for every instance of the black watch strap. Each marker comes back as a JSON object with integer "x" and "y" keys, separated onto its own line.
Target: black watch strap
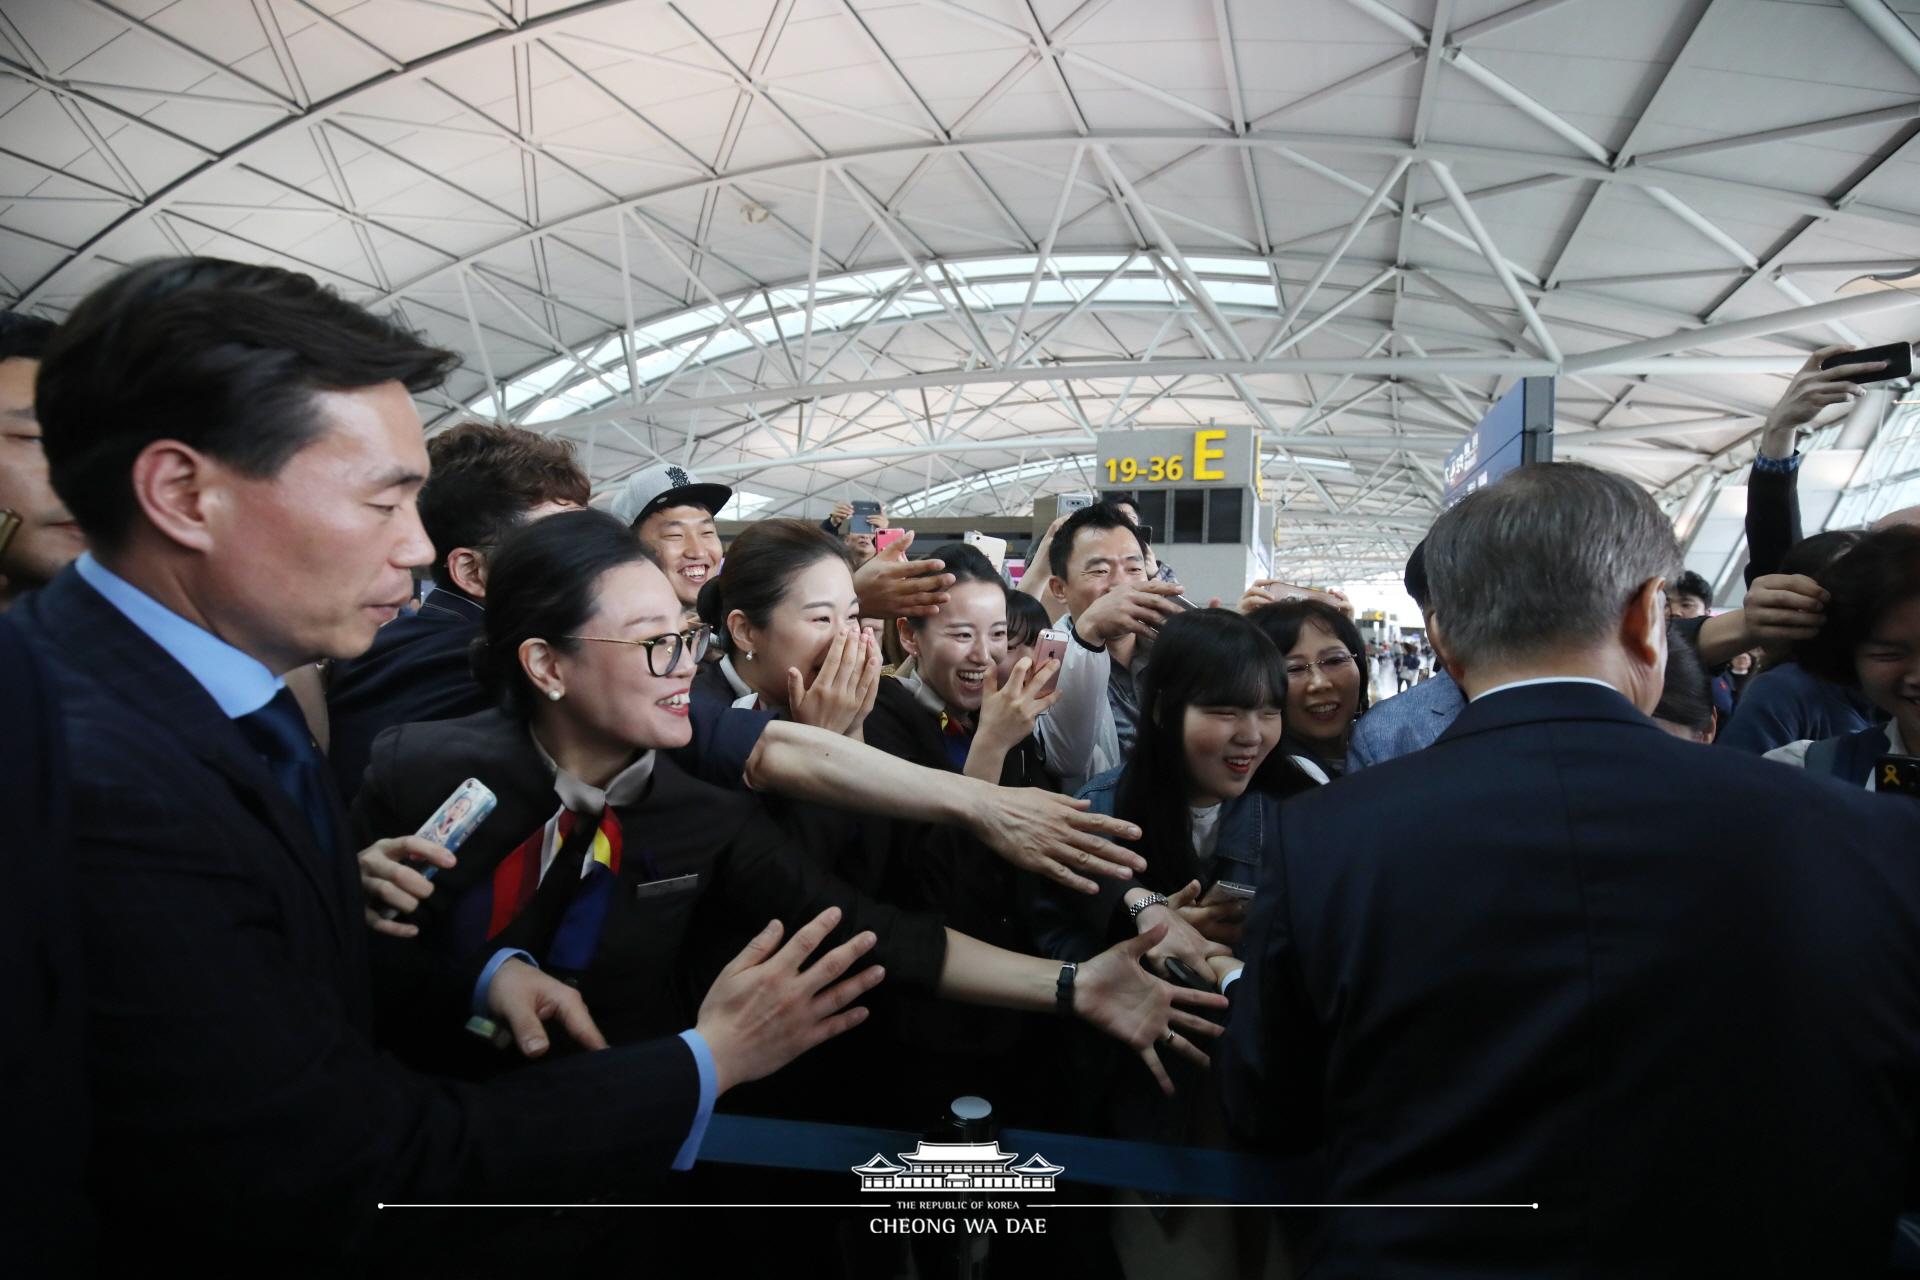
{"x": 1063, "y": 990}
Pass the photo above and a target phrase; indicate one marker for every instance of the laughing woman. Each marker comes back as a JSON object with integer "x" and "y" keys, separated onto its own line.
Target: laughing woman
{"x": 784, "y": 613}
{"x": 1210, "y": 714}
{"x": 608, "y": 865}
{"x": 1326, "y": 689}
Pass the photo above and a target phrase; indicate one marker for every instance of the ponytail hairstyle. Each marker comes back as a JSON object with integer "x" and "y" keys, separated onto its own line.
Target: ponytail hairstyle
{"x": 542, "y": 584}
{"x": 759, "y": 571}
{"x": 1203, "y": 658}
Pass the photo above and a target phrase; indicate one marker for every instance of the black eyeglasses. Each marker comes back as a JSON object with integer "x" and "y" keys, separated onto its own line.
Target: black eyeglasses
{"x": 693, "y": 639}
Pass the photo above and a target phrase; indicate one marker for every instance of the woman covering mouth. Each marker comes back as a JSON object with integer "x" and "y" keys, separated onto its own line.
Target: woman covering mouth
{"x": 788, "y": 623}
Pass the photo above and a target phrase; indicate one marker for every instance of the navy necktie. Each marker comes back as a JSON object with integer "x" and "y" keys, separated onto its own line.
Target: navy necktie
{"x": 279, "y": 733}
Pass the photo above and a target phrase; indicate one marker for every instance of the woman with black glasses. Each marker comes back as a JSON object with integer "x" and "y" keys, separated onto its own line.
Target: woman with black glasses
{"x": 605, "y": 863}
{"x": 1326, "y": 691}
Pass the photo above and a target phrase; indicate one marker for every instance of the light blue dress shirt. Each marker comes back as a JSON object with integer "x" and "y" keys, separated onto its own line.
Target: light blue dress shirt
{"x": 240, "y": 685}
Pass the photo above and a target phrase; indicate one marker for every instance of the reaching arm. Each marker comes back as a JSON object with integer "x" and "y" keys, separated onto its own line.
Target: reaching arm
{"x": 1035, "y": 830}
{"x": 1111, "y": 992}
{"x": 1070, "y": 730}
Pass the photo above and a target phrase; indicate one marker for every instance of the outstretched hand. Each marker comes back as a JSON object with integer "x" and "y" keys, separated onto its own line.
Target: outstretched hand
{"x": 1114, "y": 993}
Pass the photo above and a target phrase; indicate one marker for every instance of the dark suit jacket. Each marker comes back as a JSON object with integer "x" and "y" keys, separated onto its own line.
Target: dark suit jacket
{"x": 703, "y": 871}
{"x": 1670, "y": 993}
{"x": 43, "y": 1214}
{"x": 417, "y": 669}
{"x": 241, "y": 1110}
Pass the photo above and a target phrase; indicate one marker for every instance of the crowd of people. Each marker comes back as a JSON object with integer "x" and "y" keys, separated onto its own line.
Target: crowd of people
{"x": 1599, "y": 916}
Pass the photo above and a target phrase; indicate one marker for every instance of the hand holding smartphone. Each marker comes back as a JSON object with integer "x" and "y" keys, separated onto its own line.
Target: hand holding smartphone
{"x": 1898, "y": 357}
{"x": 465, "y": 808}
{"x": 1051, "y": 646}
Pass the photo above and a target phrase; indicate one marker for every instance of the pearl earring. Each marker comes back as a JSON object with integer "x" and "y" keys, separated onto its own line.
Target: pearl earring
{"x": 749, "y": 655}
{"x": 553, "y": 695}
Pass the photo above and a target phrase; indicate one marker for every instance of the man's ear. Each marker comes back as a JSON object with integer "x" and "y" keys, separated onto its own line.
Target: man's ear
{"x": 1057, "y": 588}
{"x": 181, "y": 492}
{"x": 468, "y": 570}
{"x": 1643, "y": 628}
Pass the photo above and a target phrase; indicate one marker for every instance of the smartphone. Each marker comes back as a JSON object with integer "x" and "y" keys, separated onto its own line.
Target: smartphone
{"x": 859, "y": 521}
{"x": 1074, "y": 502}
{"x": 887, "y": 537}
{"x": 9, "y": 525}
{"x": 1051, "y": 646}
{"x": 1228, "y": 889}
{"x": 1898, "y": 355}
{"x": 994, "y": 549}
{"x": 465, "y": 808}
{"x": 1181, "y": 974}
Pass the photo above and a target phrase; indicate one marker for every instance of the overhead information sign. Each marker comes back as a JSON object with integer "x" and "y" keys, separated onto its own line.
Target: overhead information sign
{"x": 1516, "y": 431}
{"x": 1178, "y": 458}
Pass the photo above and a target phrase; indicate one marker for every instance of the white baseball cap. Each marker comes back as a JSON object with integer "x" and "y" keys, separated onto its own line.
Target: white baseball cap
{"x": 666, "y": 485}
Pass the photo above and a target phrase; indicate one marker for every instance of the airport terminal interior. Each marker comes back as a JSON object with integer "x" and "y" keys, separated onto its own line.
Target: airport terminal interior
{"x": 1329, "y": 323}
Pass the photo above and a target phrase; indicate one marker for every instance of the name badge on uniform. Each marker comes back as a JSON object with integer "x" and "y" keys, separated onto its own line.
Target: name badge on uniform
{"x": 1897, "y": 774}
{"x": 666, "y": 888}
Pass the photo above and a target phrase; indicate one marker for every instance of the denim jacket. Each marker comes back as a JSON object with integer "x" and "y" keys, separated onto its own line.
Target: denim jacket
{"x": 1077, "y": 926}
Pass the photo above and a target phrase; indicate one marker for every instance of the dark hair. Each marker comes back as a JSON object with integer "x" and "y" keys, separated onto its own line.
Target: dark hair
{"x": 224, "y": 357}
{"x": 541, "y": 585}
{"x": 1415, "y": 579}
{"x": 1100, "y": 515}
{"x": 23, "y": 337}
{"x": 1026, "y": 618}
{"x": 1687, "y": 696}
{"x": 1283, "y": 622}
{"x": 1205, "y": 658}
{"x": 967, "y": 563}
{"x": 1881, "y": 573}
{"x": 1812, "y": 557}
{"x": 1691, "y": 584}
{"x": 759, "y": 570}
{"x": 485, "y": 479}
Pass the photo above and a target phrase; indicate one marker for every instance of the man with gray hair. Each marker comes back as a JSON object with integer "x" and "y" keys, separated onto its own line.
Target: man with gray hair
{"x": 1659, "y": 1001}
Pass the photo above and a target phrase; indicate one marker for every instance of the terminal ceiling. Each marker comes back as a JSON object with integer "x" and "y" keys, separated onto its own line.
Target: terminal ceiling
{"x": 926, "y": 250}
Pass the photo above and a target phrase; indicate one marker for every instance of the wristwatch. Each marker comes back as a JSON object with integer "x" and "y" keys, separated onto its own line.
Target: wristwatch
{"x": 1063, "y": 990}
{"x": 1151, "y": 900}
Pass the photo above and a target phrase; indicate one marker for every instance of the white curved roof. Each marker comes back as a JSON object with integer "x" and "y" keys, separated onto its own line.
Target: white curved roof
{"x": 925, "y": 250}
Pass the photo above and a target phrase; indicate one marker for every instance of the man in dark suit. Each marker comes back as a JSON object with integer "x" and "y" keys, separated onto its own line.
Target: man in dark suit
{"x": 1671, "y": 995}
{"x": 43, "y": 1214}
{"x": 241, "y": 449}
{"x": 485, "y": 482}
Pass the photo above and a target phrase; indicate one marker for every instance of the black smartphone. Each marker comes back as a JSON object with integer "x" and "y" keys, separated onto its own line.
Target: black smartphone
{"x": 858, "y": 522}
{"x": 1898, "y": 355}
{"x": 1179, "y": 972}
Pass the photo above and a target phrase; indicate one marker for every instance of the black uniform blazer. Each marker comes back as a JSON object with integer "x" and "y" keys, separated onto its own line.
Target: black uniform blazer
{"x": 700, "y": 865}
{"x": 242, "y": 1114}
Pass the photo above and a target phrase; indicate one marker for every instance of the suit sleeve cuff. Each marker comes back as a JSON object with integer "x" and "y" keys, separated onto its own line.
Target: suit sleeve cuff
{"x": 1231, "y": 978}
{"x": 485, "y": 984}
{"x": 709, "y": 1094}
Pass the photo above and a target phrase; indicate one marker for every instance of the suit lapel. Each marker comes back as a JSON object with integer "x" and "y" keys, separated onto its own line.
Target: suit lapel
{"x": 97, "y": 640}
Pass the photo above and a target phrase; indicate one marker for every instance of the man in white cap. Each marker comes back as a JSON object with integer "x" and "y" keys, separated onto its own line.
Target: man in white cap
{"x": 673, "y": 514}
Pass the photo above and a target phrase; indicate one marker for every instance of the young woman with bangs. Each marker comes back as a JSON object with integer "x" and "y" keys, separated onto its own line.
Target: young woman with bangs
{"x": 1211, "y": 711}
